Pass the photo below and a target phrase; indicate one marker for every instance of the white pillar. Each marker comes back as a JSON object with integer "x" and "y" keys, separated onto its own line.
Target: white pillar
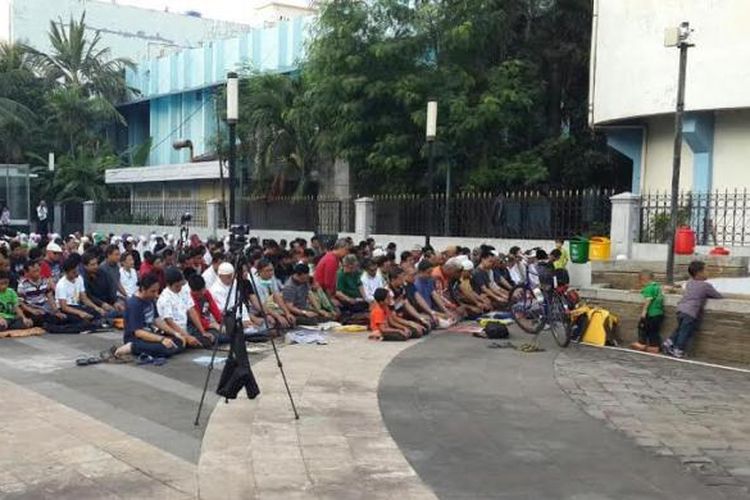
{"x": 364, "y": 217}
{"x": 213, "y": 216}
{"x": 57, "y": 215}
{"x": 626, "y": 222}
{"x": 89, "y": 216}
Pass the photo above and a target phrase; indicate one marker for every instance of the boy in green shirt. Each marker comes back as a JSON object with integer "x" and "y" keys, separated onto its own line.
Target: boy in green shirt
{"x": 652, "y": 314}
{"x": 562, "y": 262}
{"x": 11, "y": 315}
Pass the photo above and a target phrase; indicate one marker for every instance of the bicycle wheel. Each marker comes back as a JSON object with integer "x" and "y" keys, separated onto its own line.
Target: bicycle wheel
{"x": 559, "y": 321}
{"x": 527, "y": 311}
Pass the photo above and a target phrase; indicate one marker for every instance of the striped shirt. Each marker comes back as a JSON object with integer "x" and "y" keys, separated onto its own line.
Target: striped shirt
{"x": 34, "y": 294}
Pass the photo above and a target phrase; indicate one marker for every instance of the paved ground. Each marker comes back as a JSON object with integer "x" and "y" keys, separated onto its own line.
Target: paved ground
{"x": 443, "y": 417}
{"x": 339, "y": 449}
{"x": 698, "y": 415}
{"x": 480, "y": 423}
{"x": 155, "y": 404}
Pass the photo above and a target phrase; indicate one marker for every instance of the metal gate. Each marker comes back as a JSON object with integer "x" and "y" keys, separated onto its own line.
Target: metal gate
{"x": 72, "y": 217}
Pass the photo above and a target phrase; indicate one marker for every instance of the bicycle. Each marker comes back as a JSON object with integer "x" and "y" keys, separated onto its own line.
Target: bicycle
{"x": 533, "y": 308}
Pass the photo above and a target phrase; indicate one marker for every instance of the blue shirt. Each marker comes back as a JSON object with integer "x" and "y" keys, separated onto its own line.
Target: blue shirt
{"x": 425, "y": 287}
{"x": 139, "y": 315}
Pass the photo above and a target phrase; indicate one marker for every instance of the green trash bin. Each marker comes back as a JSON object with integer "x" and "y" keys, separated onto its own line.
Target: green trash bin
{"x": 579, "y": 250}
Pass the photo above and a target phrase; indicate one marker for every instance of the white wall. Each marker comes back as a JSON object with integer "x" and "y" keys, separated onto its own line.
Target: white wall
{"x": 635, "y": 75}
{"x": 658, "y": 155}
{"x": 732, "y": 150}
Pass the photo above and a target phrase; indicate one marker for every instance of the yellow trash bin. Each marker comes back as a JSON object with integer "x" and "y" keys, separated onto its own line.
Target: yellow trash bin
{"x": 599, "y": 248}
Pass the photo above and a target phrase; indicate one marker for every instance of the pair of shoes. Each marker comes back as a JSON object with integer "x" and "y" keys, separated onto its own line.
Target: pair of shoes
{"x": 678, "y": 353}
{"x": 637, "y": 346}
{"x": 653, "y": 349}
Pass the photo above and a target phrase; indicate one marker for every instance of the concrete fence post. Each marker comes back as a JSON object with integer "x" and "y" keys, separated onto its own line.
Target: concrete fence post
{"x": 626, "y": 222}
{"x": 57, "y": 215}
{"x": 89, "y": 216}
{"x": 364, "y": 217}
{"x": 213, "y": 216}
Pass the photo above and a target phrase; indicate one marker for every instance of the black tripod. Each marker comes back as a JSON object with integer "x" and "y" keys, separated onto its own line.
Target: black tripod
{"x": 236, "y": 330}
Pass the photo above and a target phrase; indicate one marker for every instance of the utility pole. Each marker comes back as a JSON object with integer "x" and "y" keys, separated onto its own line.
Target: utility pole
{"x": 677, "y": 37}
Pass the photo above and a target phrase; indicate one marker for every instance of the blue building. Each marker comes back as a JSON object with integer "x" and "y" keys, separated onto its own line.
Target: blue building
{"x": 177, "y": 101}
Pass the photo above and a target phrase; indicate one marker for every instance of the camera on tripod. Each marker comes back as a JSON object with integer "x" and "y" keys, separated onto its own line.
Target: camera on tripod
{"x": 238, "y": 237}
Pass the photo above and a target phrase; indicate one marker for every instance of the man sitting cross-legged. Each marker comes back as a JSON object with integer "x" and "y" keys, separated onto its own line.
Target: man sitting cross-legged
{"x": 349, "y": 290}
{"x": 483, "y": 282}
{"x": 99, "y": 289}
{"x": 71, "y": 296}
{"x": 205, "y": 315}
{"x": 38, "y": 303}
{"x": 296, "y": 294}
{"x": 420, "y": 289}
{"x": 404, "y": 314}
{"x": 173, "y": 306}
{"x": 145, "y": 332}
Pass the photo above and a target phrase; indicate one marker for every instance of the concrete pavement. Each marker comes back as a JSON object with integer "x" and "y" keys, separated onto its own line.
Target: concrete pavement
{"x": 479, "y": 423}
{"x": 442, "y": 417}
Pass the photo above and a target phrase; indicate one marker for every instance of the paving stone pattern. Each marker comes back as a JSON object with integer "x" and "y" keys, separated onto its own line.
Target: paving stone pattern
{"x": 338, "y": 449}
{"x": 696, "y": 414}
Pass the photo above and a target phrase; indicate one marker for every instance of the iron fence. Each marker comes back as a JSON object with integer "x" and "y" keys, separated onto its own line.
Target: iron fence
{"x": 718, "y": 218}
{"x": 525, "y": 214}
{"x": 318, "y": 215}
{"x": 166, "y": 212}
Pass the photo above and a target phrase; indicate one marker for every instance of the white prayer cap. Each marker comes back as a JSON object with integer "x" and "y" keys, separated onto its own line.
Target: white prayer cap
{"x": 467, "y": 265}
{"x": 225, "y": 268}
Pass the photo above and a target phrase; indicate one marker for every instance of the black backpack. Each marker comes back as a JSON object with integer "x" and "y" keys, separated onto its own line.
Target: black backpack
{"x": 496, "y": 331}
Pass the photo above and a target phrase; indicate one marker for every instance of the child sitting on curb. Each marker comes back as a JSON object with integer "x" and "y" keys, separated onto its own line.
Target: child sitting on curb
{"x": 689, "y": 309}
{"x": 652, "y": 314}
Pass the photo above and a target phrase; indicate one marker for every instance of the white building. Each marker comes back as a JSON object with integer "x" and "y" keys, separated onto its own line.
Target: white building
{"x": 634, "y": 85}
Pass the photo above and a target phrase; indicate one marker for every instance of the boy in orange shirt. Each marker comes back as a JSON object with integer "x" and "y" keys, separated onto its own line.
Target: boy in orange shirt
{"x": 380, "y": 319}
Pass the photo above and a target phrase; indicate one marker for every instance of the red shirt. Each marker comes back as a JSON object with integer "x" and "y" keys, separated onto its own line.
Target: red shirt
{"x": 325, "y": 272}
{"x": 206, "y": 307}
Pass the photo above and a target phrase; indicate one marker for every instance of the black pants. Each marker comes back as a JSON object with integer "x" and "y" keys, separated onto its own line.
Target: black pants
{"x": 156, "y": 349}
{"x": 13, "y": 324}
{"x": 648, "y": 330}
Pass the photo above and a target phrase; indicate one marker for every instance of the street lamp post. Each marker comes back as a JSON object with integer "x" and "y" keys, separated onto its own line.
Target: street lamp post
{"x": 430, "y": 134}
{"x": 232, "y": 115}
{"x": 677, "y": 37}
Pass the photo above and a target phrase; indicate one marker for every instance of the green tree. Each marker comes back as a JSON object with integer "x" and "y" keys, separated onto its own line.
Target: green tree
{"x": 510, "y": 78}
{"x": 87, "y": 84}
{"x": 277, "y": 132}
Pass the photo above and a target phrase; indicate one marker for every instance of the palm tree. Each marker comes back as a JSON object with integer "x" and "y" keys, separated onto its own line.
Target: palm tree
{"x": 277, "y": 131}
{"x": 87, "y": 81}
{"x": 16, "y": 119}
{"x": 75, "y": 60}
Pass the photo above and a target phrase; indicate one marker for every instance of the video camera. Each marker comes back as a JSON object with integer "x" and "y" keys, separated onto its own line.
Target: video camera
{"x": 238, "y": 237}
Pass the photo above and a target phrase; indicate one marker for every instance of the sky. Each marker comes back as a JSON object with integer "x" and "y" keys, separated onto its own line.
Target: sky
{"x": 228, "y": 10}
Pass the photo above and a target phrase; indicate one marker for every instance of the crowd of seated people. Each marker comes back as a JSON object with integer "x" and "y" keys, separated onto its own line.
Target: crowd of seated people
{"x": 169, "y": 296}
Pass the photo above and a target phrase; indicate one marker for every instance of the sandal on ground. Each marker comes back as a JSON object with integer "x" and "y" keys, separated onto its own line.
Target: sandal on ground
{"x": 502, "y": 345}
{"x": 86, "y": 361}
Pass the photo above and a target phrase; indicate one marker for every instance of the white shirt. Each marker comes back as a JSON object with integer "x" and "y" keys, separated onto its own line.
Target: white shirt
{"x": 220, "y": 292}
{"x": 41, "y": 213}
{"x": 372, "y": 283}
{"x": 129, "y": 281}
{"x": 69, "y": 291}
{"x": 517, "y": 273}
{"x": 173, "y": 305}
{"x": 210, "y": 276}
